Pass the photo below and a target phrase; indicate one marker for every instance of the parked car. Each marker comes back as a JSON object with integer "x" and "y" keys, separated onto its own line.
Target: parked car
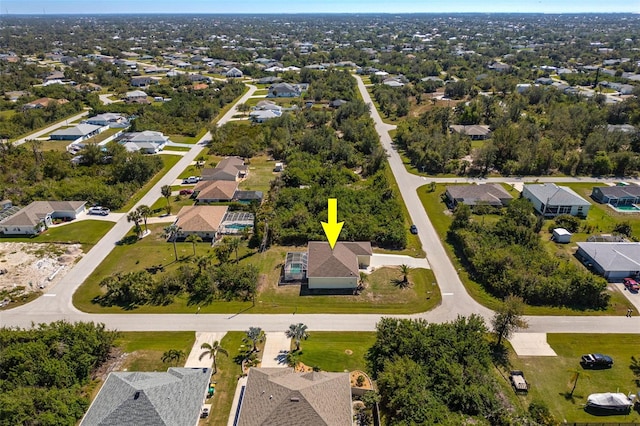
{"x": 631, "y": 284}
{"x": 101, "y": 211}
{"x": 413, "y": 229}
{"x": 191, "y": 179}
{"x": 596, "y": 361}
{"x": 186, "y": 191}
{"x": 204, "y": 413}
{"x": 518, "y": 381}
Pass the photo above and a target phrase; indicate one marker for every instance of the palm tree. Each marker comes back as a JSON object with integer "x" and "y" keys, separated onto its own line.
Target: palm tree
{"x": 212, "y": 350}
{"x": 193, "y": 239}
{"x": 173, "y": 355}
{"x": 234, "y": 245}
{"x": 255, "y": 335}
{"x": 202, "y": 262}
{"x": 145, "y": 212}
{"x": 297, "y": 332}
{"x": 135, "y": 217}
{"x": 404, "y": 270}
{"x": 363, "y": 278}
{"x": 166, "y": 193}
{"x": 575, "y": 375}
{"x": 171, "y": 233}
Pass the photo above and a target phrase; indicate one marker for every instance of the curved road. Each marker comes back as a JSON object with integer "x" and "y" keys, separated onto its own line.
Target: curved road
{"x": 455, "y": 300}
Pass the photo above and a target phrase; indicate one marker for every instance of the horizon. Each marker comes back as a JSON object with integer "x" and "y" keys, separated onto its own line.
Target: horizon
{"x": 287, "y": 7}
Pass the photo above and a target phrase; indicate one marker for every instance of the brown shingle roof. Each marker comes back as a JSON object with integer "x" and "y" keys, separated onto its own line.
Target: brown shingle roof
{"x": 32, "y": 214}
{"x": 342, "y": 261}
{"x": 227, "y": 169}
{"x": 282, "y": 397}
{"x": 216, "y": 189}
{"x": 200, "y": 218}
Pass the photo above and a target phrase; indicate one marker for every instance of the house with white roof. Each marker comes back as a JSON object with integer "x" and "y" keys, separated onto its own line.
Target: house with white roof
{"x": 551, "y": 200}
{"x": 77, "y": 133}
{"x": 613, "y": 260}
{"x": 147, "y": 142}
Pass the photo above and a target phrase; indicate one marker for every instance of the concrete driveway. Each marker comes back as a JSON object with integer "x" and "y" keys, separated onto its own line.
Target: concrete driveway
{"x": 193, "y": 360}
{"x": 381, "y": 260}
{"x": 276, "y": 348}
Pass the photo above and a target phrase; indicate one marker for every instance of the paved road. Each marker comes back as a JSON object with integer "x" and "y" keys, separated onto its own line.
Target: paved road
{"x": 104, "y": 98}
{"x": 51, "y": 128}
{"x": 455, "y": 301}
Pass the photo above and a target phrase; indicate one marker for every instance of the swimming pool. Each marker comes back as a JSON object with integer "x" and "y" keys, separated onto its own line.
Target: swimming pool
{"x": 626, "y": 209}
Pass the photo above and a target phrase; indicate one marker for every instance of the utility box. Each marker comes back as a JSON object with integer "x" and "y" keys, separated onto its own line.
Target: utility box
{"x": 561, "y": 235}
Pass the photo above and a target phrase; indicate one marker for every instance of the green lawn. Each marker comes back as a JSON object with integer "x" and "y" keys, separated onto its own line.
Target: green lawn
{"x": 168, "y": 162}
{"x": 336, "y": 351}
{"x": 441, "y": 219}
{"x": 145, "y": 349}
{"x": 382, "y": 295}
{"x": 260, "y": 175}
{"x": 64, "y": 120}
{"x": 86, "y": 232}
{"x": 261, "y": 92}
{"x": 177, "y": 148}
{"x": 158, "y": 208}
{"x": 226, "y": 379}
{"x": 549, "y": 377}
{"x": 188, "y": 139}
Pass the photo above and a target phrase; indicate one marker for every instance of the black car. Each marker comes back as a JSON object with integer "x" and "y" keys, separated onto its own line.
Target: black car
{"x": 413, "y": 229}
{"x": 596, "y": 361}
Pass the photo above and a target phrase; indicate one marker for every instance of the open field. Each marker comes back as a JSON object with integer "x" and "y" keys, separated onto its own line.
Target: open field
{"x": 260, "y": 174}
{"x": 440, "y": 217}
{"x": 144, "y": 349}
{"x": 550, "y": 377}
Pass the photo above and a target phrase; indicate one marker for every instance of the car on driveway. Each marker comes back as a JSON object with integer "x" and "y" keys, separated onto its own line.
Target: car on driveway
{"x": 596, "y": 361}
{"x": 186, "y": 191}
{"x": 100, "y": 211}
{"x": 413, "y": 229}
{"x": 631, "y": 284}
{"x": 191, "y": 179}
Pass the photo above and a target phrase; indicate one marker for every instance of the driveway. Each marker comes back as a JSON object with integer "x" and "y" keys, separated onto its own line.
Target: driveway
{"x": 193, "y": 360}
{"x": 381, "y": 260}
{"x": 276, "y": 348}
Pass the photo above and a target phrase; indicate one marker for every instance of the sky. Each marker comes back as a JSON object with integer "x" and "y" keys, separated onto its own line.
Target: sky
{"x": 50, "y": 7}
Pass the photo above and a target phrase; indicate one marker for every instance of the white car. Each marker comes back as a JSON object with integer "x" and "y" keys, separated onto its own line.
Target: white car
{"x": 101, "y": 211}
{"x": 191, "y": 179}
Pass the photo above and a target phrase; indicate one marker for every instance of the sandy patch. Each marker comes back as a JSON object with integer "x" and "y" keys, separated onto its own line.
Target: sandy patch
{"x": 35, "y": 265}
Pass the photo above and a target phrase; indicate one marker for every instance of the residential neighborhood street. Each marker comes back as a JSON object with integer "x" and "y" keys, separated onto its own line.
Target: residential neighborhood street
{"x": 51, "y": 128}
{"x": 56, "y": 304}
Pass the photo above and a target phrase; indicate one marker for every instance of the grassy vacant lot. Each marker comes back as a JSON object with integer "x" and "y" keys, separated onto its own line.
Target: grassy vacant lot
{"x": 168, "y": 162}
{"x": 260, "y": 174}
{"x": 441, "y": 219}
{"x": 384, "y": 293}
{"x": 158, "y": 208}
{"x": 187, "y": 139}
{"x": 226, "y": 379}
{"x": 86, "y": 232}
{"x": 550, "y": 377}
{"x": 145, "y": 349}
{"x": 337, "y": 351}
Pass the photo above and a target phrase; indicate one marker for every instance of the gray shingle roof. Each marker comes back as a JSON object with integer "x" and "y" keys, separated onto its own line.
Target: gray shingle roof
{"x": 32, "y": 214}
{"x": 630, "y": 191}
{"x": 554, "y": 195}
{"x": 490, "y": 193}
{"x": 79, "y": 130}
{"x": 614, "y": 256}
{"x": 150, "y": 399}
{"x": 281, "y": 397}
{"x": 342, "y": 261}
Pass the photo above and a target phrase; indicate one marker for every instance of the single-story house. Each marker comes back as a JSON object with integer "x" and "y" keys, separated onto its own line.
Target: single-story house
{"x": 198, "y": 78}
{"x": 260, "y": 116}
{"x": 551, "y": 200}
{"x": 625, "y": 128}
{"x": 546, "y": 81}
{"x": 474, "y": 131}
{"x": 269, "y": 80}
{"x": 14, "y": 95}
{"x": 284, "y": 90}
{"x": 491, "y": 194}
{"x": 39, "y": 215}
{"x": 213, "y": 191}
{"x": 143, "y": 81}
{"x": 80, "y": 132}
{"x": 337, "y": 103}
{"x": 136, "y": 96}
{"x": 54, "y": 75}
{"x": 337, "y": 268}
{"x": 147, "y": 142}
{"x": 171, "y": 398}
{"x": 203, "y": 221}
{"x": 616, "y": 195}
{"x": 614, "y": 261}
{"x": 234, "y": 73}
{"x": 393, "y": 82}
{"x": 43, "y": 103}
{"x": 108, "y": 119}
{"x": 230, "y": 168}
{"x": 284, "y": 397}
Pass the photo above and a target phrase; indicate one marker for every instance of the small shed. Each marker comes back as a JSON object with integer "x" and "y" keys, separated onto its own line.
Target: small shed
{"x": 561, "y": 235}
{"x": 278, "y": 167}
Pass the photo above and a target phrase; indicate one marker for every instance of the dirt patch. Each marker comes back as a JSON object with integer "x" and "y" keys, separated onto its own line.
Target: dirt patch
{"x": 348, "y": 351}
{"x": 116, "y": 359}
{"x": 366, "y": 383}
{"x": 35, "y": 265}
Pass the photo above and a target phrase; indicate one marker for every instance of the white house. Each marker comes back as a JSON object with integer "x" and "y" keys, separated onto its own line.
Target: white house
{"x": 614, "y": 261}
{"x": 39, "y": 215}
{"x": 77, "y": 133}
{"x": 234, "y": 73}
{"x": 108, "y": 119}
{"x": 551, "y": 200}
{"x": 148, "y": 142}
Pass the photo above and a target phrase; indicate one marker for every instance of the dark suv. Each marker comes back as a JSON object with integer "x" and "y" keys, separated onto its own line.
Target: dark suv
{"x": 596, "y": 361}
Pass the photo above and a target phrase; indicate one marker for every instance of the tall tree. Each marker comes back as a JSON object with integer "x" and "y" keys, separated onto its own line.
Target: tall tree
{"x": 171, "y": 234}
{"x": 145, "y": 212}
{"x": 212, "y": 350}
{"x": 234, "y": 245}
{"x": 255, "y": 335}
{"x": 297, "y": 332}
{"x": 508, "y": 318}
{"x": 135, "y": 217}
{"x": 166, "y": 193}
{"x": 193, "y": 239}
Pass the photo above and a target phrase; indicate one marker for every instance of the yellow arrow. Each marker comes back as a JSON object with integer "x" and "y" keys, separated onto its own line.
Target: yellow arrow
{"x": 332, "y": 227}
